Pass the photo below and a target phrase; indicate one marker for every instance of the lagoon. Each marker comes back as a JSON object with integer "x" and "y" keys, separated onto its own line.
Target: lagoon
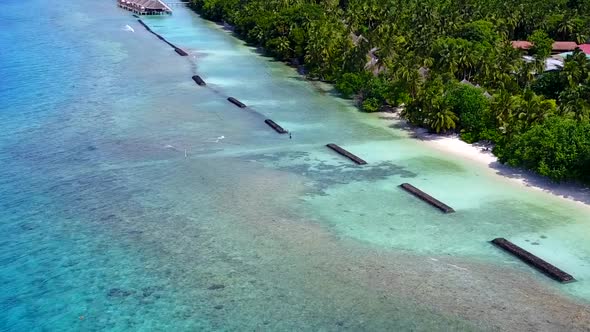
{"x": 133, "y": 199}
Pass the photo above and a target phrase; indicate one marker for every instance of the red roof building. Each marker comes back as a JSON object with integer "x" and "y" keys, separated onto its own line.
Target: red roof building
{"x": 585, "y": 48}
{"x": 563, "y": 46}
{"x": 521, "y": 44}
{"x": 558, "y": 46}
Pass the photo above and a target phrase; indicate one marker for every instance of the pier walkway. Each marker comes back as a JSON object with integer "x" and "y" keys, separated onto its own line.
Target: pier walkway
{"x": 145, "y": 7}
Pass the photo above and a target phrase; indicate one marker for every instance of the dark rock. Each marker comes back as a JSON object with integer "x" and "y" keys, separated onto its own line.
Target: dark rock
{"x": 69, "y": 264}
{"x": 109, "y": 217}
{"x": 148, "y": 291}
{"x": 118, "y": 292}
{"x": 216, "y": 287}
{"x": 27, "y": 227}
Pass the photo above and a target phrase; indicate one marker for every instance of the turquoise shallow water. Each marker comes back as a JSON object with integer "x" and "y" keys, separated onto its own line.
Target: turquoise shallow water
{"x": 123, "y": 209}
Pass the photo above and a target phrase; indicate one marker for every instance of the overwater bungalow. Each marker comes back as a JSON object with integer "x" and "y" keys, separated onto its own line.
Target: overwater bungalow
{"x": 145, "y": 7}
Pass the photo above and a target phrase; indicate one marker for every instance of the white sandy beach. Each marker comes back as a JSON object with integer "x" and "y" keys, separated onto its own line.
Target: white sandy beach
{"x": 452, "y": 144}
{"x": 481, "y": 154}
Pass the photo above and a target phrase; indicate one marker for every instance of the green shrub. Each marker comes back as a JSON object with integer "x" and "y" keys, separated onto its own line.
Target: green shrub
{"x": 558, "y": 148}
{"x": 371, "y": 105}
{"x": 351, "y": 83}
{"x": 549, "y": 84}
{"x": 472, "y": 108}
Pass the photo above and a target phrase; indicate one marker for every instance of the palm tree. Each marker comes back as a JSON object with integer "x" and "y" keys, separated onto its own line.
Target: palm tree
{"x": 575, "y": 103}
{"x": 502, "y": 106}
{"x": 534, "y": 109}
{"x": 407, "y": 72}
{"x": 576, "y": 68}
{"x": 566, "y": 27}
{"x": 442, "y": 120}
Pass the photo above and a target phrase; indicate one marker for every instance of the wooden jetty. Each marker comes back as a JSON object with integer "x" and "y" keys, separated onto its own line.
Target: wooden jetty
{"x": 236, "y": 102}
{"x": 347, "y": 154}
{"x": 145, "y": 7}
{"x": 427, "y": 198}
{"x": 275, "y": 126}
{"x": 199, "y": 80}
{"x": 534, "y": 261}
{"x": 177, "y": 3}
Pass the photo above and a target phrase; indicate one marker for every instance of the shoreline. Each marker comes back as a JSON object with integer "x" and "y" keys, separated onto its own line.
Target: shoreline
{"x": 482, "y": 154}
{"x": 452, "y": 144}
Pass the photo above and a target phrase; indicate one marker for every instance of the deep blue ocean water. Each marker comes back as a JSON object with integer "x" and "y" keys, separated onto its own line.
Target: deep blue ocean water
{"x": 131, "y": 199}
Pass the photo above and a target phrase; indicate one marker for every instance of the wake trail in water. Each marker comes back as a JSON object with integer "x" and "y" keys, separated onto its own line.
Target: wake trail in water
{"x": 216, "y": 140}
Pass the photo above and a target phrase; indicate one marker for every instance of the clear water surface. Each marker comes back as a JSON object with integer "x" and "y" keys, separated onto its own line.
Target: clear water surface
{"x": 132, "y": 199}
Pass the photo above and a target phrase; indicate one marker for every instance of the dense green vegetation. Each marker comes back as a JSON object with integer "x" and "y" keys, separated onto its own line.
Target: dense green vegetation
{"x": 450, "y": 63}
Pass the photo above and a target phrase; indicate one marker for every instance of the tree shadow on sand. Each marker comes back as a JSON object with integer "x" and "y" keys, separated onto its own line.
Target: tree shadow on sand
{"x": 571, "y": 190}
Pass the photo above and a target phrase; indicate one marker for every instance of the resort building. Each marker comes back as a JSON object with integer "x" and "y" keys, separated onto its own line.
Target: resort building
{"x": 558, "y": 46}
{"x": 145, "y": 7}
{"x": 563, "y": 46}
{"x": 522, "y": 44}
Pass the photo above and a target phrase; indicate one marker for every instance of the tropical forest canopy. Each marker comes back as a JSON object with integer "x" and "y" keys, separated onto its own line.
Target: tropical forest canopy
{"x": 450, "y": 63}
